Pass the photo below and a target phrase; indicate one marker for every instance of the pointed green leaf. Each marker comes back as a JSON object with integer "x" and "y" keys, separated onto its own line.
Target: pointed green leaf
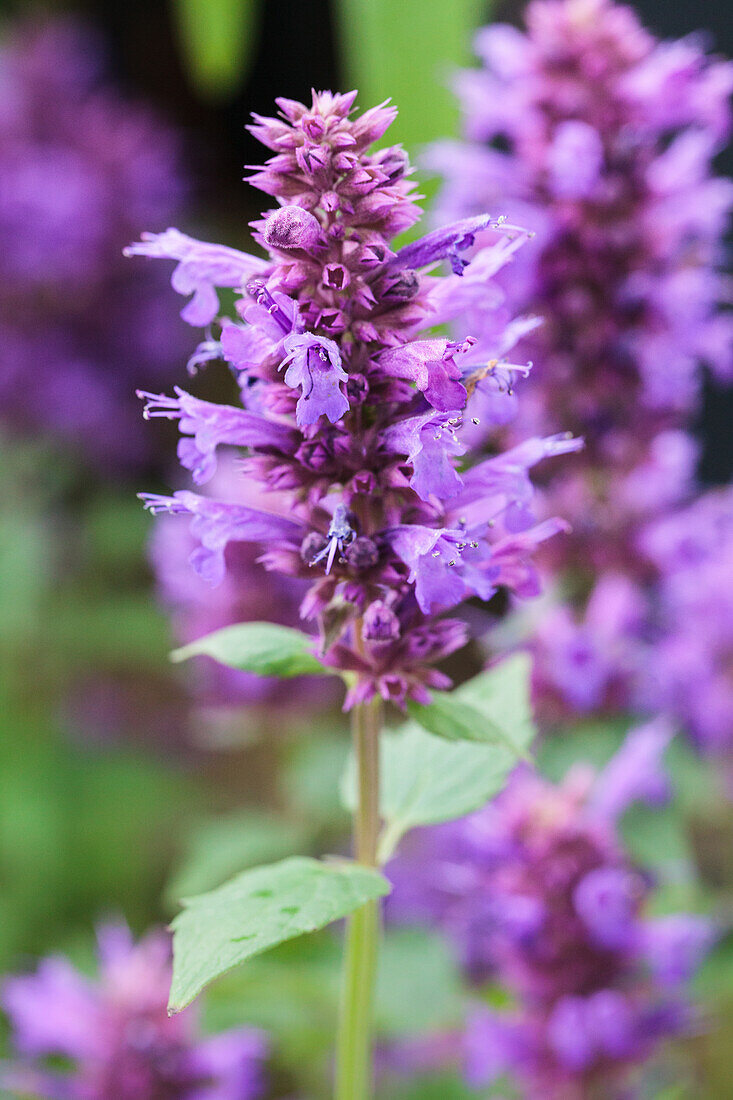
{"x": 493, "y": 708}
{"x": 218, "y": 848}
{"x": 446, "y": 716}
{"x": 426, "y": 780}
{"x": 259, "y": 909}
{"x": 266, "y": 649}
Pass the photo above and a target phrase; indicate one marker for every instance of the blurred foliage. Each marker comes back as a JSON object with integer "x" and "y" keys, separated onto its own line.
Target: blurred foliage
{"x": 84, "y": 829}
{"x": 407, "y": 52}
{"x": 218, "y": 38}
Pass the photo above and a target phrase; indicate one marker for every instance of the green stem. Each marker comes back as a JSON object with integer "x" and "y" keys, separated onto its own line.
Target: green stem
{"x": 354, "y": 1050}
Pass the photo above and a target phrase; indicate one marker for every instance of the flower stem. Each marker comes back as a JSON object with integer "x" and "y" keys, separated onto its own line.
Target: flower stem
{"x": 354, "y": 1052}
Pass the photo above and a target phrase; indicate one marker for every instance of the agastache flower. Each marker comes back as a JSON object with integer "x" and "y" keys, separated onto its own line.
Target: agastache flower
{"x": 116, "y": 1034}
{"x": 352, "y": 415}
{"x": 313, "y": 363}
{"x": 601, "y": 141}
{"x": 537, "y": 892}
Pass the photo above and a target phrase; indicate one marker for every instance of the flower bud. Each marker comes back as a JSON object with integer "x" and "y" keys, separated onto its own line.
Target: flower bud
{"x": 380, "y": 623}
{"x": 312, "y": 545}
{"x": 363, "y": 553}
{"x": 292, "y": 227}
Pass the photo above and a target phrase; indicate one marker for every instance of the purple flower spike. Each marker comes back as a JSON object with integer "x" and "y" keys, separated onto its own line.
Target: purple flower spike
{"x": 602, "y": 141}
{"x": 351, "y": 422}
{"x": 445, "y": 243}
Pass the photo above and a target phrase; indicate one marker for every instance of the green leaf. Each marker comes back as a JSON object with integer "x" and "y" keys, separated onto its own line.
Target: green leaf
{"x": 217, "y": 37}
{"x": 219, "y": 848}
{"x": 493, "y": 708}
{"x": 426, "y": 780}
{"x": 263, "y": 648}
{"x": 258, "y": 909}
{"x": 409, "y": 50}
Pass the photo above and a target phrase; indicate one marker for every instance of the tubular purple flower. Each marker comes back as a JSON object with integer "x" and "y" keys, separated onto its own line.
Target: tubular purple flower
{"x": 430, "y": 365}
{"x": 211, "y": 426}
{"x": 313, "y": 363}
{"x": 428, "y": 442}
{"x": 446, "y": 243}
{"x": 200, "y": 270}
{"x": 215, "y": 523}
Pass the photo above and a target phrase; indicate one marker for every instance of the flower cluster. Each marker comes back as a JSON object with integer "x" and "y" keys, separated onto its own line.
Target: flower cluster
{"x": 601, "y": 140}
{"x": 116, "y": 1034}
{"x": 80, "y": 170}
{"x": 351, "y": 416}
{"x": 537, "y": 892}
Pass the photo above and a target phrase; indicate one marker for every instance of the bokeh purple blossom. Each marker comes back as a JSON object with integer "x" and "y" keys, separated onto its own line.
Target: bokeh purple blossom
{"x": 537, "y": 893}
{"x": 81, "y": 168}
{"x": 116, "y": 1035}
{"x": 601, "y": 140}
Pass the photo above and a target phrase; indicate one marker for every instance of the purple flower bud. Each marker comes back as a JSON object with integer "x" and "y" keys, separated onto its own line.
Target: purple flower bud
{"x": 357, "y": 389}
{"x": 380, "y": 623}
{"x": 402, "y": 287}
{"x": 292, "y": 227}
{"x": 362, "y": 554}
{"x": 336, "y": 276}
{"x": 312, "y": 545}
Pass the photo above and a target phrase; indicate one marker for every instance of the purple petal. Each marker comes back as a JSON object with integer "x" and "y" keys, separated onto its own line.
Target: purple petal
{"x": 216, "y": 523}
{"x": 635, "y": 773}
{"x": 212, "y": 425}
{"x": 605, "y": 899}
{"x": 675, "y": 945}
{"x": 201, "y": 269}
{"x": 314, "y": 364}
{"x": 53, "y": 1011}
{"x": 448, "y": 242}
